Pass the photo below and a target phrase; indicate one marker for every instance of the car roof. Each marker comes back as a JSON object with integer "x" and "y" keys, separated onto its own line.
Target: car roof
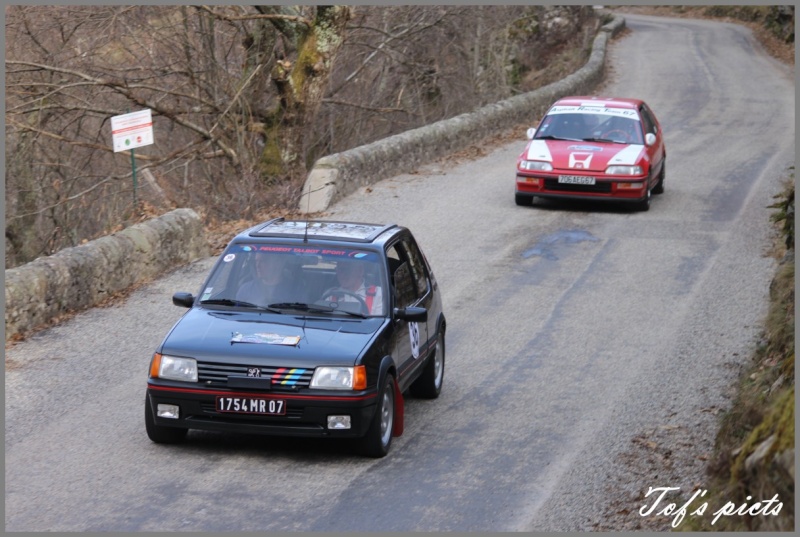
{"x": 326, "y": 230}
{"x": 608, "y": 102}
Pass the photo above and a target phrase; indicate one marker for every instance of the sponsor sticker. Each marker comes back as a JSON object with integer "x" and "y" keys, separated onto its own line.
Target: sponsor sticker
{"x": 265, "y": 338}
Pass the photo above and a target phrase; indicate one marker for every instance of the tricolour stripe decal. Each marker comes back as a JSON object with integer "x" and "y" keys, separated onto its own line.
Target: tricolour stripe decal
{"x": 292, "y": 376}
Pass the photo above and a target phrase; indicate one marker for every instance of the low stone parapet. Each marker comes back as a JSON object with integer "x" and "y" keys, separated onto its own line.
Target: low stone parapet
{"x": 335, "y": 176}
{"x": 80, "y": 277}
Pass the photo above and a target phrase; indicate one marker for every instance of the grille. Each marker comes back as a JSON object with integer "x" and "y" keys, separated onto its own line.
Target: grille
{"x": 601, "y": 187}
{"x": 213, "y": 374}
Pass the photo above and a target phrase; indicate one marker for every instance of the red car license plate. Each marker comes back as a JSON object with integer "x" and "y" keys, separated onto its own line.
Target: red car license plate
{"x": 251, "y": 405}
{"x": 576, "y": 179}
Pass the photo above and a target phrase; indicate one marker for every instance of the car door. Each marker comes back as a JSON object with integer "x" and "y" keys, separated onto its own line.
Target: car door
{"x": 410, "y": 287}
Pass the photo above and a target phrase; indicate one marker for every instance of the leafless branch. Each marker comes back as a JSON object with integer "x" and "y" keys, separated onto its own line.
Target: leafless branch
{"x": 256, "y": 16}
{"x": 363, "y": 107}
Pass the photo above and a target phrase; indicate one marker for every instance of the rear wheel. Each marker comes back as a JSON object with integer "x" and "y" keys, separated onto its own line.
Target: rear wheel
{"x": 158, "y": 433}
{"x": 378, "y": 440}
{"x": 429, "y": 384}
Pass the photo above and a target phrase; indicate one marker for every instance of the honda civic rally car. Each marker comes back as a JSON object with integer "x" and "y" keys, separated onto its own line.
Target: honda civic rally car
{"x": 303, "y": 328}
{"x": 601, "y": 149}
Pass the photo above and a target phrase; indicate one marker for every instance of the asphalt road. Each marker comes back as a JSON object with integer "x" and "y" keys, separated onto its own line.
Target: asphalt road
{"x": 571, "y": 329}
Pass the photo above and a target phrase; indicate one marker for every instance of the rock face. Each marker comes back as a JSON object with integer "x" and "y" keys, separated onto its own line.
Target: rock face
{"x": 81, "y": 277}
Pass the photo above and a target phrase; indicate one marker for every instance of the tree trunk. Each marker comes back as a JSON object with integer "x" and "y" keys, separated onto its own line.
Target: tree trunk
{"x": 301, "y": 85}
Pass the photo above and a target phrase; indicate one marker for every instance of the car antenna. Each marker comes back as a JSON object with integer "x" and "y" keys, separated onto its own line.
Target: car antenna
{"x": 308, "y": 207}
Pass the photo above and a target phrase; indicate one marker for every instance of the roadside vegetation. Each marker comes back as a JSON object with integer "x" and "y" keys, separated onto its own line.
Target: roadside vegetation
{"x": 281, "y": 86}
{"x": 244, "y": 100}
{"x": 754, "y": 450}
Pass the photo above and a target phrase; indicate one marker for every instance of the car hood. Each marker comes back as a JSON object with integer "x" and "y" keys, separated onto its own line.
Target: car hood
{"x": 583, "y": 156}
{"x": 280, "y": 340}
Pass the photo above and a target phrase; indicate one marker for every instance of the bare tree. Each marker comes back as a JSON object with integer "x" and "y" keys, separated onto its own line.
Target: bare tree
{"x": 244, "y": 100}
{"x": 209, "y": 77}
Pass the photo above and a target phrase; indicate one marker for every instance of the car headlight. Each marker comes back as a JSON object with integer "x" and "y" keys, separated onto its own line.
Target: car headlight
{"x": 173, "y": 368}
{"x": 535, "y": 166}
{"x": 624, "y": 170}
{"x": 340, "y": 378}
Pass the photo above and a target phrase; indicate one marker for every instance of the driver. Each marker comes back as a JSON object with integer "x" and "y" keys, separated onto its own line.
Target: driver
{"x": 350, "y": 274}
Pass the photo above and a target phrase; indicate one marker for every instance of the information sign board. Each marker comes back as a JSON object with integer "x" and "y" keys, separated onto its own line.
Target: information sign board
{"x": 132, "y": 130}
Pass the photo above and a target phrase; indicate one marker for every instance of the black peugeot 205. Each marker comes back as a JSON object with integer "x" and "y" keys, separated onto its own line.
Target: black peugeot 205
{"x": 303, "y": 328}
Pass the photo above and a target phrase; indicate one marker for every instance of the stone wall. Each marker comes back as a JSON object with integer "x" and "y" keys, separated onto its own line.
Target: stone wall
{"x": 335, "y": 176}
{"x": 81, "y": 277}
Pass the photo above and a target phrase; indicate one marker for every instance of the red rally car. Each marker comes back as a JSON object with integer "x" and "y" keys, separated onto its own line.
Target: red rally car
{"x": 603, "y": 149}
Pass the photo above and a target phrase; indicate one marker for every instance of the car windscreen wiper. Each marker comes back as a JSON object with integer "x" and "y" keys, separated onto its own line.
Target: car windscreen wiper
{"x": 606, "y": 140}
{"x": 302, "y": 306}
{"x": 237, "y": 303}
{"x": 551, "y": 137}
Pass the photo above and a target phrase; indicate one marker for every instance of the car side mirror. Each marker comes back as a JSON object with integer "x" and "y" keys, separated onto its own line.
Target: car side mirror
{"x": 183, "y": 299}
{"x": 650, "y": 138}
{"x": 411, "y": 314}
{"x": 530, "y": 133}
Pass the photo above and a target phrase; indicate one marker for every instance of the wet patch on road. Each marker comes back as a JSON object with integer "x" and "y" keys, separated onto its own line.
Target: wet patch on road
{"x": 548, "y": 246}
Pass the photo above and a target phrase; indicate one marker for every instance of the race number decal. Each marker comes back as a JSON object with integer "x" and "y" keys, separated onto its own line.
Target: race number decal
{"x": 413, "y": 334}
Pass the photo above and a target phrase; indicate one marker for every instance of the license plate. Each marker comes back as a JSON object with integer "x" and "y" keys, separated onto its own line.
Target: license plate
{"x": 251, "y": 405}
{"x": 576, "y": 179}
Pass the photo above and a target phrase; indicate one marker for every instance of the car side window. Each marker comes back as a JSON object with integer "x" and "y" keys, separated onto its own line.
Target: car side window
{"x": 406, "y": 272}
{"x": 416, "y": 265}
{"x": 404, "y": 286}
{"x": 647, "y": 120}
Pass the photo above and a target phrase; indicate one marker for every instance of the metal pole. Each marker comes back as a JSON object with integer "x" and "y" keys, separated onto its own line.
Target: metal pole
{"x": 133, "y": 166}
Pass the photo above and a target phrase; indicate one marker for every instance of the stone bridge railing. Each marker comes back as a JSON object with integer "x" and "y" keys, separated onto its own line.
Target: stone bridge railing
{"x": 335, "y": 176}
{"x": 83, "y": 276}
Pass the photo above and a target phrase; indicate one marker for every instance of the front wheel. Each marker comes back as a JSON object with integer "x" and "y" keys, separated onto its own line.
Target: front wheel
{"x": 659, "y": 188}
{"x": 159, "y": 434}
{"x": 523, "y": 200}
{"x": 429, "y": 384}
{"x": 644, "y": 205}
{"x": 378, "y": 440}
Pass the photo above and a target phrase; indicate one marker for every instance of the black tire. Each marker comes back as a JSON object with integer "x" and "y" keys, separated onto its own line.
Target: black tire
{"x": 659, "y": 188}
{"x": 429, "y": 384}
{"x": 523, "y": 200}
{"x": 159, "y": 434}
{"x": 644, "y": 205}
{"x": 378, "y": 440}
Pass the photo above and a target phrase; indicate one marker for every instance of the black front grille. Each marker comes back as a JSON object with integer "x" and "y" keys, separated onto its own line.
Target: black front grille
{"x": 216, "y": 374}
{"x": 600, "y": 187}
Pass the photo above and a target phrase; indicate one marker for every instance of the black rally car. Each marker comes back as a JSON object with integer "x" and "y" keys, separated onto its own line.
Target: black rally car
{"x": 303, "y": 328}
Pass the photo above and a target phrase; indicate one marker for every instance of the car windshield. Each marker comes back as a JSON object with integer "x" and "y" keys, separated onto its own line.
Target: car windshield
{"x": 297, "y": 279}
{"x": 593, "y": 124}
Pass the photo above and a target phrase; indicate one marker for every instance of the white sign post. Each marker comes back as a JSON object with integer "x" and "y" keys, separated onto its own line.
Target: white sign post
{"x": 130, "y": 131}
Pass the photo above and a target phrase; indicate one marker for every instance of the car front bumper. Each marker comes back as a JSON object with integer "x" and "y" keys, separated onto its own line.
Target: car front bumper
{"x": 305, "y": 414}
{"x": 616, "y": 190}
